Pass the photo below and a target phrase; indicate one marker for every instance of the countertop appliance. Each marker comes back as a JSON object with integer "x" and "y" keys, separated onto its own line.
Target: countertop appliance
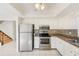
{"x": 44, "y": 37}
{"x": 26, "y": 37}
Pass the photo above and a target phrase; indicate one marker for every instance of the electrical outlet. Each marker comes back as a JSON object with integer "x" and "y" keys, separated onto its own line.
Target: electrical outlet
{"x": 70, "y": 32}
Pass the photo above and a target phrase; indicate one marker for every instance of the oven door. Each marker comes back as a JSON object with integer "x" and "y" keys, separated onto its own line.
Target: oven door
{"x": 44, "y": 41}
{"x": 44, "y": 35}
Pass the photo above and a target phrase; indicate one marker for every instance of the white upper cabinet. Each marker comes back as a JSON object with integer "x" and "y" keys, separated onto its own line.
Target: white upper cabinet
{"x": 77, "y": 22}
{"x": 36, "y": 26}
{"x": 67, "y": 24}
{"x": 64, "y": 24}
{"x": 54, "y": 24}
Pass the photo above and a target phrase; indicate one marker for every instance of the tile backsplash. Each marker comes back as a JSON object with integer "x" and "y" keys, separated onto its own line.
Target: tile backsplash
{"x": 73, "y": 32}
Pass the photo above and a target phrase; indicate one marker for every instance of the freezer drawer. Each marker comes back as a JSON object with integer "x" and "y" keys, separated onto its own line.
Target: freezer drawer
{"x": 25, "y": 42}
{"x": 26, "y": 27}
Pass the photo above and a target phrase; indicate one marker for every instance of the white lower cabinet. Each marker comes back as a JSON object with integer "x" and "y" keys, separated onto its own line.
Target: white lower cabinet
{"x": 52, "y": 42}
{"x": 36, "y": 42}
{"x": 65, "y": 48}
{"x": 77, "y": 53}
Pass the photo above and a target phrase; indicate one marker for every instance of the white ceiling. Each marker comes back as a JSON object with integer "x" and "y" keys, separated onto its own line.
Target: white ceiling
{"x": 52, "y": 9}
{"x": 71, "y": 11}
{"x": 56, "y": 10}
{"x": 7, "y": 11}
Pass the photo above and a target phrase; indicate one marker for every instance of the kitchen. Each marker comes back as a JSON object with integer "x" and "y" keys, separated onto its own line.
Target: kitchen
{"x": 39, "y": 32}
{"x": 60, "y": 39}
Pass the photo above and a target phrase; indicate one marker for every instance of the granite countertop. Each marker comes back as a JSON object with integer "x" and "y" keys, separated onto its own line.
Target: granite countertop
{"x": 68, "y": 38}
{"x": 64, "y": 35}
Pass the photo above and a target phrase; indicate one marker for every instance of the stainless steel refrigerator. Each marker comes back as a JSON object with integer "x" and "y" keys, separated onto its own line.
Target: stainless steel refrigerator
{"x": 26, "y": 37}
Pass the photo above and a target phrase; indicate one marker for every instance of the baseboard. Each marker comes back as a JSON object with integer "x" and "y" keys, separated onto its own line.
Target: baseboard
{"x": 41, "y": 49}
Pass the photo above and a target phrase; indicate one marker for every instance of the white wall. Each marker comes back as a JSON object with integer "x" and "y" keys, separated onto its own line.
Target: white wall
{"x": 62, "y": 23}
{"x": 9, "y": 27}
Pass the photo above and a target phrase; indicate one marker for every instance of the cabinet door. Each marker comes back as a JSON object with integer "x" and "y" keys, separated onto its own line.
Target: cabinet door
{"x": 36, "y": 42}
{"x": 77, "y": 52}
{"x": 53, "y": 42}
{"x": 36, "y": 26}
{"x": 77, "y": 23}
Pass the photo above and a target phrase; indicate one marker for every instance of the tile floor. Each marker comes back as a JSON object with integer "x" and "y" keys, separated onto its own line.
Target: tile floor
{"x": 10, "y": 50}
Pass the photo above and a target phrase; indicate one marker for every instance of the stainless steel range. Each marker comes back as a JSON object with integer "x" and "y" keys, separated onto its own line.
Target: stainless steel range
{"x": 44, "y": 37}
